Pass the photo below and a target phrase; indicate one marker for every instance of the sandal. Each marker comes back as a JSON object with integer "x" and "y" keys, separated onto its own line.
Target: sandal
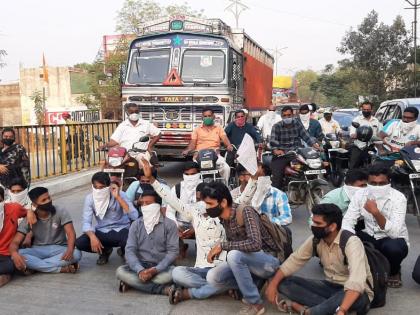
{"x": 171, "y": 294}
{"x": 68, "y": 269}
{"x": 395, "y": 282}
{"x": 284, "y": 305}
{"x": 178, "y": 296}
{"x": 123, "y": 287}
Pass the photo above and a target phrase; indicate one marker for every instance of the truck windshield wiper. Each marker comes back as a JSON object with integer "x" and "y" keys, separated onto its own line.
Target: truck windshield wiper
{"x": 137, "y": 62}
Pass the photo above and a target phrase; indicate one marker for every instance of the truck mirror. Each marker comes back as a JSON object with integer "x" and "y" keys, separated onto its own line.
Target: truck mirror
{"x": 123, "y": 72}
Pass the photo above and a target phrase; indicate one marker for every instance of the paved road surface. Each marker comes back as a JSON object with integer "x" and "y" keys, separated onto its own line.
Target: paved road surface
{"x": 94, "y": 289}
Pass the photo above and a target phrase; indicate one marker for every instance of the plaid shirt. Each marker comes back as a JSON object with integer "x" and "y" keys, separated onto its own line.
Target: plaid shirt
{"x": 289, "y": 138}
{"x": 251, "y": 237}
{"x": 276, "y": 207}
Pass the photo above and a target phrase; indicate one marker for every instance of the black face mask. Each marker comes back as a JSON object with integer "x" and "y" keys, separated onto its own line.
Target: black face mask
{"x": 48, "y": 207}
{"x": 215, "y": 211}
{"x": 8, "y": 142}
{"x": 320, "y": 232}
{"x": 366, "y": 113}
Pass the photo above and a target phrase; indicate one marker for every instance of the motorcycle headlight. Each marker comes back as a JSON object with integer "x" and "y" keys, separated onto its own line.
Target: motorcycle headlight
{"x": 115, "y": 161}
{"x": 296, "y": 166}
{"x": 314, "y": 163}
{"x": 416, "y": 164}
{"x": 335, "y": 144}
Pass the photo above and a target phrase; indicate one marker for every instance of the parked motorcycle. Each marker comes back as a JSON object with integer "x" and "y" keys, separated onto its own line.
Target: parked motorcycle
{"x": 206, "y": 160}
{"x": 337, "y": 158}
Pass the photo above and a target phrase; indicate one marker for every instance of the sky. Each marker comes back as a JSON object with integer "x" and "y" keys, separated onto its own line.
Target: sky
{"x": 70, "y": 32}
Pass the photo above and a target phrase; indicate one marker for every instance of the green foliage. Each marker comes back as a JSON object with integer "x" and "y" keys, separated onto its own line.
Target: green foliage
{"x": 89, "y": 100}
{"x": 39, "y": 106}
{"x": 306, "y": 80}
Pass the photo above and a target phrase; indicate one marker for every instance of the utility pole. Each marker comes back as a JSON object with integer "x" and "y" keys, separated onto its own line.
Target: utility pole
{"x": 414, "y": 6}
{"x": 277, "y": 53}
{"x": 236, "y": 7}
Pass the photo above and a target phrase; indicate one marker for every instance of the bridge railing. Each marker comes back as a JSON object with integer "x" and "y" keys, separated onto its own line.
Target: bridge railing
{"x": 60, "y": 149}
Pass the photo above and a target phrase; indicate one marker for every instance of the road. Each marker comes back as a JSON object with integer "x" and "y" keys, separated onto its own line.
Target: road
{"x": 94, "y": 289}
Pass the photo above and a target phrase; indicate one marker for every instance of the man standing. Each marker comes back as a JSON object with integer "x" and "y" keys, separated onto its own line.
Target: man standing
{"x": 312, "y": 126}
{"x": 286, "y": 135}
{"x": 112, "y": 211}
{"x": 237, "y": 129}
{"x": 151, "y": 249}
{"x": 328, "y": 124}
{"x": 383, "y": 209}
{"x": 248, "y": 246}
{"x": 209, "y": 136}
{"x": 366, "y": 119}
{"x": 267, "y": 121}
{"x": 346, "y": 287}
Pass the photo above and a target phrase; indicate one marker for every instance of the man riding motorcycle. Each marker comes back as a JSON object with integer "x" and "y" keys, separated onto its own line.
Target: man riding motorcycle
{"x": 286, "y": 135}
{"x": 209, "y": 136}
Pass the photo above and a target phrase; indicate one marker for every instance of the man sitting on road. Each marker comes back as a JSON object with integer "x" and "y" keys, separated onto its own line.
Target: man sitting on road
{"x": 248, "y": 248}
{"x": 243, "y": 177}
{"x": 237, "y": 129}
{"x": 346, "y": 287}
{"x": 209, "y": 136}
{"x": 355, "y": 180}
{"x": 267, "y": 121}
{"x": 286, "y": 135}
{"x": 132, "y": 129}
{"x": 312, "y": 126}
{"x": 53, "y": 248}
{"x": 112, "y": 212}
{"x": 152, "y": 248}
{"x": 328, "y": 124}
{"x": 383, "y": 209}
{"x": 366, "y": 119}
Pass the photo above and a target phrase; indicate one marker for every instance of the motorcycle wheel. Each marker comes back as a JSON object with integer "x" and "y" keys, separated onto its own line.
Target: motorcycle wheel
{"x": 336, "y": 179}
{"x": 317, "y": 193}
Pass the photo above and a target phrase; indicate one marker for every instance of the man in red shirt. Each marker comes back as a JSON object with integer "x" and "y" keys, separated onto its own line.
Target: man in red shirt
{"x": 9, "y": 215}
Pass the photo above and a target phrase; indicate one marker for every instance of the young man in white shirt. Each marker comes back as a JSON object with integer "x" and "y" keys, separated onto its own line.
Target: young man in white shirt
{"x": 328, "y": 124}
{"x": 383, "y": 209}
{"x": 366, "y": 119}
{"x": 267, "y": 121}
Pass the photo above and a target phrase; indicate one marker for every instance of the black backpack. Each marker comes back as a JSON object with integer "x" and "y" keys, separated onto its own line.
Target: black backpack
{"x": 416, "y": 271}
{"x": 281, "y": 235}
{"x": 378, "y": 264}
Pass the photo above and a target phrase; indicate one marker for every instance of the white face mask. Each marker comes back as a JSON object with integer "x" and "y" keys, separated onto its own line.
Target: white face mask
{"x": 1, "y": 215}
{"x": 305, "y": 117}
{"x": 101, "y": 198}
{"x": 20, "y": 198}
{"x": 406, "y": 127}
{"x": 151, "y": 215}
{"x": 351, "y": 190}
{"x": 271, "y": 113}
{"x": 134, "y": 116}
{"x": 191, "y": 178}
{"x": 263, "y": 187}
{"x": 378, "y": 192}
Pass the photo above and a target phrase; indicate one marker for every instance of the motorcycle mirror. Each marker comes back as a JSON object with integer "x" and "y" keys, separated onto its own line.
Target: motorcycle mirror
{"x": 355, "y": 124}
{"x": 144, "y": 139}
{"x": 98, "y": 138}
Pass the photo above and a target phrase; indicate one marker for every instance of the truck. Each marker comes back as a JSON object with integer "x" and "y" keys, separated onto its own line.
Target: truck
{"x": 178, "y": 65}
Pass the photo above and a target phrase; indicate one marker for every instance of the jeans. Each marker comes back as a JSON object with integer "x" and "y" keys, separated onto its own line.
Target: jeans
{"x": 108, "y": 240}
{"x": 195, "y": 280}
{"x": 238, "y": 271}
{"x": 47, "y": 258}
{"x": 278, "y": 165}
{"x": 394, "y": 249}
{"x": 321, "y": 296}
{"x": 155, "y": 286}
{"x": 6, "y": 265}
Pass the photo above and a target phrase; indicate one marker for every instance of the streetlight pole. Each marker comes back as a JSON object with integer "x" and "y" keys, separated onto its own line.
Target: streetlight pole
{"x": 236, "y": 7}
{"x": 414, "y": 6}
{"x": 277, "y": 53}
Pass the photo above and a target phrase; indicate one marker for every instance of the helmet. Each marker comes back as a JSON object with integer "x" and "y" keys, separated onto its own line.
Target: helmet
{"x": 364, "y": 133}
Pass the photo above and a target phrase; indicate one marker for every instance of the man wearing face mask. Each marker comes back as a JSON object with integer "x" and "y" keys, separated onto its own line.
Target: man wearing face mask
{"x": 267, "y": 121}
{"x": 132, "y": 129}
{"x": 383, "y": 210}
{"x": 311, "y": 125}
{"x": 53, "y": 249}
{"x": 366, "y": 119}
{"x": 152, "y": 248}
{"x": 400, "y": 133}
{"x": 328, "y": 124}
{"x": 113, "y": 213}
{"x": 237, "y": 129}
{"x": 354, "y": 181}
{"x": 286, "y": 135}
{"x": 249, "y": 246}
{"x": 346, "y": 287}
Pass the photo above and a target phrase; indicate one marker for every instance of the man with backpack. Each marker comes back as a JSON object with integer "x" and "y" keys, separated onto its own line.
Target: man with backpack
{"x": 347, "y": 287}
{"x": 252, "y": 248}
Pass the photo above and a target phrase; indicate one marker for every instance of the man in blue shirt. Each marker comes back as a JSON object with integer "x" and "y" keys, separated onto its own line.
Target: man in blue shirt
{"x": 312, "y": 126}
{"x": 237, "y": 129}
{"x": 113, "y": 213}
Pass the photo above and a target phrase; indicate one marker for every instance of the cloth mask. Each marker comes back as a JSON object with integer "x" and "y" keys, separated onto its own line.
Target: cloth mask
{"x": 134, "y": 116}
{"x": 351, "y": 190}
{"x": 188, "y": 187}
{"x": 240, "y": 122}
{"x": 406, "y": 127}
{"x": 151, "y": 215}
{"x": 101, "y": 199}
{"x": 378, "y": 192}
{"x": 48, "y": 207}
{"x": 305, "y": 118}
{"x": 214, "y": 212}
{"x": 263, "y": 187}
{"x": 287, "y": 121}
{"x": 20, "y": 198}
{"x": 319, "y": 232}
{"x": 366, "y": 113}
{"x": 8, "y": 142}
{"x": 1, "y": 215}
{"x": 208, "y": 121}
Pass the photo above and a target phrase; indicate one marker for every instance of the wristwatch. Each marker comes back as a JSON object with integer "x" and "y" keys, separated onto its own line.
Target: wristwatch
{"x": 339, "y": 309}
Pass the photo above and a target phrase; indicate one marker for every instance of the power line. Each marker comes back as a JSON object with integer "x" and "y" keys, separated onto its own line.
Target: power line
{"x": 236, "y": 7}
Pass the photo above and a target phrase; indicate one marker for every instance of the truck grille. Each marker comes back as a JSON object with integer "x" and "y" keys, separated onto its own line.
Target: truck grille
{"x": 175, "y": 113}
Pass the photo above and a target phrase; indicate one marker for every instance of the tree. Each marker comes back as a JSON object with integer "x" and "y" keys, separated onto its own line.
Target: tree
{"x": 307, "y": 91}
{"x": 39, "y": 106}
{"x": 135, "y": 12}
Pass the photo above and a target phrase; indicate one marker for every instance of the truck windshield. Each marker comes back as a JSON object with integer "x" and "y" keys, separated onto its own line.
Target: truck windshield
{"x": 150, "y": 66}
{"x": 203, "y": 66}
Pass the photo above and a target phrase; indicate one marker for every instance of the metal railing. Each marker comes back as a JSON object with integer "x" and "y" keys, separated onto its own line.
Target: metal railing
{"x": 60, "y": 149}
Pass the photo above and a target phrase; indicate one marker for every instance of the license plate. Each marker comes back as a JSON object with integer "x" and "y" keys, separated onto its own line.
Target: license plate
{"x": 315, "y": 172}
{"x": 414, "y": 175}
{"x": 114, "y": 170}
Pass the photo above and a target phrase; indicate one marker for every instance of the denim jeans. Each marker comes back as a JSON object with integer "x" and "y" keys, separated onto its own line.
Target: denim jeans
{"x": 47, "y": 258}
{"x": 321, "y": 296}
{"x": 108, "y": 240}
{"x": 238, "y": 272}
{"x": 155, "y": 286}
{"x": 6, "y": 265}
{"x": 195, "y": 280}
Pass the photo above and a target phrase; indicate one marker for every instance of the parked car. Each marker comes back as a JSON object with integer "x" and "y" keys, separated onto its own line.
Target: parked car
{"x": 351, "y": 111}
{"x": 393, "y": 109}
{"x": 344, "y": 119}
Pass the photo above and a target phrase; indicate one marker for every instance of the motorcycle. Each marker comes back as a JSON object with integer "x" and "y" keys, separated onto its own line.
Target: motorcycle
{"x": 121, "y": 164}
{"x": 337, "y": 157}
{"x": 206, "y": 160}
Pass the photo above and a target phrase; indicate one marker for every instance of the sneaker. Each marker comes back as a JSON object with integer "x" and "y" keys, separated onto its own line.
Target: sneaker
{"x": 104, "y": 257}
{"x": 4, "y": 279}
{"x": 252, "y": 309}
